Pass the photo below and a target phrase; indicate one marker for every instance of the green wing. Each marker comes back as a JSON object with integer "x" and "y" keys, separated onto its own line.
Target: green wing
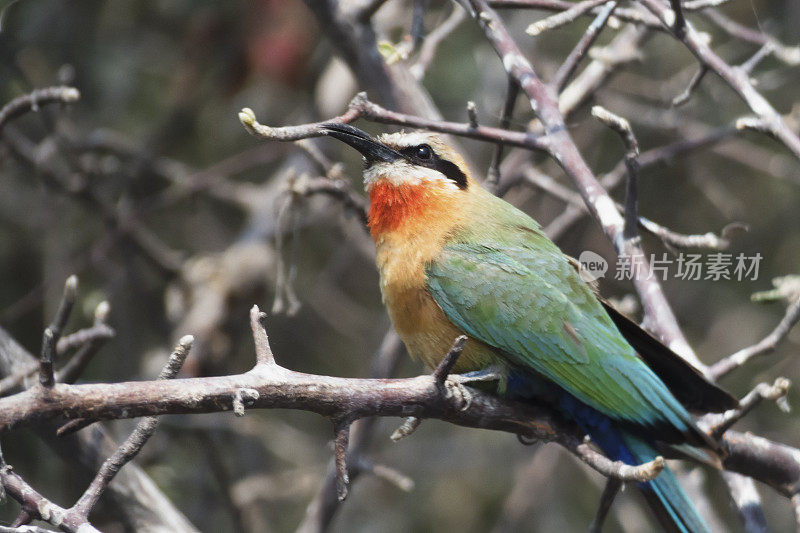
{"x": 528, "y": 301}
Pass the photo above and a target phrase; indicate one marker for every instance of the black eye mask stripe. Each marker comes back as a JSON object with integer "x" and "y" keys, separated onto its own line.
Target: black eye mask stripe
{"x": 448, "y": 168}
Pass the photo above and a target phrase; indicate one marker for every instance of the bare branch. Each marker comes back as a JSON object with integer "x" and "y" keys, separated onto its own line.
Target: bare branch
{"x": 679, "y": 26}
{"x": 408, "y": 427}
{"x": 39, "y": 97}
{"x": 53, "y": 332}
{"x": 764, "y": 346}
{"x": 135, "y": 442}
{"x": 623, "y": 128}
{"x": 565, "y": 17}
{"x": 718, "y": 424}
{"x": 361, "y": 107}
{"x": 263, "y": 351}
{"x": 342, "y": 431}
{"x": 693, "y": 84}
{"x": 737, "y": 78}
{"x": 747, "y": 501}
{"x": 567, "y": 69}
{"x": 346, "y": 399}
{"x": 84, "y": 336}
{"x": 40, "y": 507}
{"x": 70, "y": 372}
{"x": 434, "y": 39}
{"x": 472, "y": 113}
{"x": 616, "y": 469}
{"x": 613, "y": 485}
{"x": 446, "y": 365}
{"x": 493, "y": 175}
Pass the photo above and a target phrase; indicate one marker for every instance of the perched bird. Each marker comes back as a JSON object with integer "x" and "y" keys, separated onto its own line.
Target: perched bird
{"x": 454, "y": 259}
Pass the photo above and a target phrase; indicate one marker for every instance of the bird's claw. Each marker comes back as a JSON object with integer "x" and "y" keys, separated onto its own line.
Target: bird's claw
{"x": 454, "y": 388}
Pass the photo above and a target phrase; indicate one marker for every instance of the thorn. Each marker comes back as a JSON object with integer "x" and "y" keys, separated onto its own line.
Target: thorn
{"x": 446, "y": 365}
{"x": 340, "y": 457}
{"x": 408, "y": 427}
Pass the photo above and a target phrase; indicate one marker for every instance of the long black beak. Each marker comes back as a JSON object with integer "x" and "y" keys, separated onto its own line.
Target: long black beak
{"x": 372, "y": 150}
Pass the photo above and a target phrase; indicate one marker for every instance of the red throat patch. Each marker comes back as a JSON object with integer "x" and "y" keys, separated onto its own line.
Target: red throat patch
{"x": 390, "y": 205}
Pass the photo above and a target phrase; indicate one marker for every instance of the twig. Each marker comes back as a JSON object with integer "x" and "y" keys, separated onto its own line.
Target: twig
{"x": 337, "y": 188}
{"x": 718, "y": 424}
{"x": 613, "y": 485}
{"x": 322, "y": 508}
{"x": 165, "y": 259}
{"x": 446, "y": 365}
{"x": 472, "y": 113}
{"x": 565, "y": 17}
{"x": 762, "y": 53}
{"x": 670, "y": 238}
{"x": 342, "y": 432}
{"x": 286, "y": 300}
{"x": 263, "y": 351}
{"x": 631, "y": 15}
{"x": 623, "y": 128}
{"x": 788, "y": 54}
{"x": 616, "y": 469}
{"x": 398, "y": 479}
{"x": 418, "y": 22}
{"x": 135, "y": 442}
{"x": 764, "y": 346}
{"x": 567, "y": 69}
{"x": 72, "y": 370}
{"x": 434, "y": 39}
{"x": 84, "y": 336}
{"x": 707, "y": 240}
{"x": 361, "y": 107}
{"x": 736, "y": 78}
{"x": 39, "y": 97}
{"x": 38, "y": 506}
{"x": 679, "y": 26}
{"x": 52, "y": 333}
{"x": 747, "y": 501}
{"x": 693, "y": 83}
{"x": 408, "y": 427}
{"x": 493, "y": 175}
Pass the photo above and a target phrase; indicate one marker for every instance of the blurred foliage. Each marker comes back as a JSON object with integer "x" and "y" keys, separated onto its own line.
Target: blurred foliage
{"x": 165, "y": 80}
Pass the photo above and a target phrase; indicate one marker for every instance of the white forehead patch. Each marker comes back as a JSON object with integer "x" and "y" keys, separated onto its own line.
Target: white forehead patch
{"x": 403, "y": 173}
{"x": 404, "y": 140}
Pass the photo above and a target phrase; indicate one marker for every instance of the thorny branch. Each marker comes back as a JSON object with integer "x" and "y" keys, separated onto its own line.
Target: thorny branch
{"x": 764, "y": 346}
{"x": 361, "y": 107}
{"x": 347, "y": 399}
{"x": 76, "y": 518}
{"x": 737, "y": 78}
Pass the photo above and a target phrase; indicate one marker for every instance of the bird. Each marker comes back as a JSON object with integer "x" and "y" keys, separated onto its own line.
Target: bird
{"x": 454, "y": 259}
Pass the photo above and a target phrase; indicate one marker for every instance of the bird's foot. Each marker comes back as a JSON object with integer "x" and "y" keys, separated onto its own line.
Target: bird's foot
{"x": 454, "y": 388}
{"x": 457, "y": 385}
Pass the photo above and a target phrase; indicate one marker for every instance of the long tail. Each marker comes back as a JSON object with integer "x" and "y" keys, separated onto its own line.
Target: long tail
{"x": 664, "y": 494}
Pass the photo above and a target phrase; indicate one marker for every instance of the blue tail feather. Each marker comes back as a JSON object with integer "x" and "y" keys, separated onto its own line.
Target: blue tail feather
{"x": 664, "y": 494}
{"x": 668, "y": 492}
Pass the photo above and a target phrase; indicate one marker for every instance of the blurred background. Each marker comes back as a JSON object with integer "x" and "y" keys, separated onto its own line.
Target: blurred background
{"x": 150, "y": 190}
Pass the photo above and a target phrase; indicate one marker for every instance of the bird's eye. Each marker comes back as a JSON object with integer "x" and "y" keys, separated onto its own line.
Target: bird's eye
{"x": 423, "y": 151}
